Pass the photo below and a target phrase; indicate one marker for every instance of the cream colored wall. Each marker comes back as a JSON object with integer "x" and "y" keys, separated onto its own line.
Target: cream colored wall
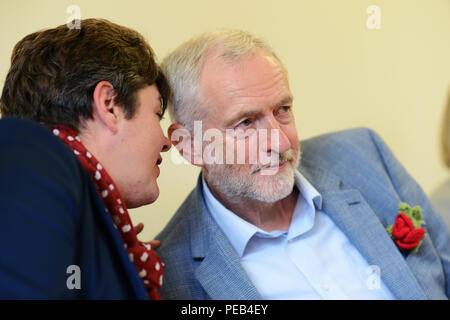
{"x": 394, "y": 79}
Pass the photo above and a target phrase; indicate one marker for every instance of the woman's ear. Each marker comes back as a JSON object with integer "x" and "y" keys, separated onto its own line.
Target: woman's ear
{"x": 104, "y": 108}
{"x": 181, "y": 138}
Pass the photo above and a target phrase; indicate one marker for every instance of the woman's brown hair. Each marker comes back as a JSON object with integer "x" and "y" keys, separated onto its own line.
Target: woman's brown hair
{"x": 54, "y": 72}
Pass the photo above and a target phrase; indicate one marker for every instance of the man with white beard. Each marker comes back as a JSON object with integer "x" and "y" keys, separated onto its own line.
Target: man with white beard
{"x": 283, "y": 228}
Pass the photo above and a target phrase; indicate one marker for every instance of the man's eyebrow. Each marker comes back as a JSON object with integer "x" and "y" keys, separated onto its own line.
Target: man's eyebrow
{"x": 252, "y": 113}
{"x": 243, "y": 114}
{"x": 286, "y": 100}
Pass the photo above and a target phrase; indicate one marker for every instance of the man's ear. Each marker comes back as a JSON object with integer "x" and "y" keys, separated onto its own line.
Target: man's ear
{"x": 104, "y": 108}
{"x": 181, "y": 138}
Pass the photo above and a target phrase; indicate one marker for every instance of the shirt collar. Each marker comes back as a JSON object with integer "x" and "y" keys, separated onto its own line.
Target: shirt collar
{"x": 239, "y": 232}
{"x": 308, "y": 191}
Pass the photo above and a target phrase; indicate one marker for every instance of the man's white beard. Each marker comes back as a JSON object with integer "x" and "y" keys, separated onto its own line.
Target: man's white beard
{"x": 236, "y": 183}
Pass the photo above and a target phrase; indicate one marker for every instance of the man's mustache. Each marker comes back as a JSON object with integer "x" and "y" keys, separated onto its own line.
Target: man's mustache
{"x": 276, "y": 159}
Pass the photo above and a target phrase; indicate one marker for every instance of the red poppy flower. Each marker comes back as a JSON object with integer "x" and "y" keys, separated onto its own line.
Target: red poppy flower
{"x": 405, "y": 235}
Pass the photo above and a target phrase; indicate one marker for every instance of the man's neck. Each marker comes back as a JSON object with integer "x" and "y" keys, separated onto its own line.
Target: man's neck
{"x": 264, "y": 215}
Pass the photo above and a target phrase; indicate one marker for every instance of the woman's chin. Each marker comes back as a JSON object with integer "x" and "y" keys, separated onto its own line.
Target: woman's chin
{"x": 148, "y": 198}
{"x": 154, "y": 196}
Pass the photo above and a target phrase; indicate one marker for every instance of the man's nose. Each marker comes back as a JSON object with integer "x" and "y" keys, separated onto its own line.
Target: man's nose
{"x": 277, "y": 140}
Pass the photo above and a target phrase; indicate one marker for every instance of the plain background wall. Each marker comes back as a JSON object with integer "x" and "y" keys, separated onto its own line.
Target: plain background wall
{"x": 394, "y": 79}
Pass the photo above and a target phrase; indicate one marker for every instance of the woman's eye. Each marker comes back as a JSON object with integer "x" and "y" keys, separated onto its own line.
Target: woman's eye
{"x": 161, "y": 117}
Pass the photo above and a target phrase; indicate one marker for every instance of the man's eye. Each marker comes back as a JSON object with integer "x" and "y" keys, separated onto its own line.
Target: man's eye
{"x": 245, "y": 123}
{"x": 161, "y": 117}
{"x": 285, "y": 108}
{"x": 284, "y": 111}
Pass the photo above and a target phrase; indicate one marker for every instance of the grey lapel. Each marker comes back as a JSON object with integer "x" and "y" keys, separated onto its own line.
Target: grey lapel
{"x": 220, "y": 273}
{"x": 352, "y": 214}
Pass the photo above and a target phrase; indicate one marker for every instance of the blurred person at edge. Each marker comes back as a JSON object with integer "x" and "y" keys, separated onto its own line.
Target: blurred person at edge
{"x": 315, "y": 228}
{"x": 80, "y": 142}
{"x": 440, "y": 198}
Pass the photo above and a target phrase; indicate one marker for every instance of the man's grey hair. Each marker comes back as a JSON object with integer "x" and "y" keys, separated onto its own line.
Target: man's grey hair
{"x": 183, "y": 67}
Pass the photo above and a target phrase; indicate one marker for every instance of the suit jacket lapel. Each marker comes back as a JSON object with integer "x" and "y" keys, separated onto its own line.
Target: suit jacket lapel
{"x": 352, "y": 214}
{"x": 220, "y": 273}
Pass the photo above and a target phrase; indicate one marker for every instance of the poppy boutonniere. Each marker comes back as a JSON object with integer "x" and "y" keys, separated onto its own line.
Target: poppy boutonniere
{"x": 407, "y": 231}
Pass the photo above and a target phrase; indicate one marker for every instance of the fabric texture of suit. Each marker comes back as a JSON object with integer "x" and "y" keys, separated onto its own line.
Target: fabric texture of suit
{"x": 361, "y": 183}
{"x": 52, "y": 218}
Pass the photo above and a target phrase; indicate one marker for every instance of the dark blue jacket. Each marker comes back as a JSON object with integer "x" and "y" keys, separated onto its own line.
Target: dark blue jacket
{"x": 51, "y": 218}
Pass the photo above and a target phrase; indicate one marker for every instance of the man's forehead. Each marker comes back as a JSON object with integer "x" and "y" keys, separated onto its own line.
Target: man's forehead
{"x": 244, "y": 85}
{"x": 247, "y": 74}
{"x": 215, "y": 61}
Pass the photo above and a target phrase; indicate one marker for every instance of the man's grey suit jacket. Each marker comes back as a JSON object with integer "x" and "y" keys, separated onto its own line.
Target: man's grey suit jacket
{"x": 361, "y": 183}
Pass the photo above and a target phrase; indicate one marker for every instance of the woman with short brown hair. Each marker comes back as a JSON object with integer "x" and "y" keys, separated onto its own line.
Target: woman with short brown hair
{"x": 80, "y": 142}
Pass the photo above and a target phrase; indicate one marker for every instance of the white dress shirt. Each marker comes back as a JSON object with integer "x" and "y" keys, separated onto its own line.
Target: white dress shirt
{"x": 312, "y": 260}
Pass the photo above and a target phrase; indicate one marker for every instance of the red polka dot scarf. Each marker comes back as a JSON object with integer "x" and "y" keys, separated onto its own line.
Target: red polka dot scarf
{"x": 147, "y": 262}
